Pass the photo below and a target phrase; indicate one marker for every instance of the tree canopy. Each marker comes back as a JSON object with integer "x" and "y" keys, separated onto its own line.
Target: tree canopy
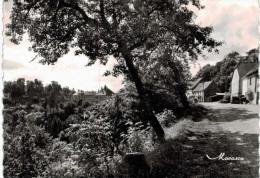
{"x": 129, "y": 30}
{"x": 16, "y": 89}
{"x": 101, "y": 28}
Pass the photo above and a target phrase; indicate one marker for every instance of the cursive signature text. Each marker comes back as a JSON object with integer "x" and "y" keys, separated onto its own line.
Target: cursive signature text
{"x": 222, "y": 156}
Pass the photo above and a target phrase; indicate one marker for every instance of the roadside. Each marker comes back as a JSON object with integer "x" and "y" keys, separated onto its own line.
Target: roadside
{"x": 227, "y": 128}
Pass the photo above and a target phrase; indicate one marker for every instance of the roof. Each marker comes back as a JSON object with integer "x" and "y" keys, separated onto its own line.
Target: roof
{"x": 193, "y": 84}
{"x": 244, "y": 67}
{"x": 202, "y": 86}
{"x": 252, "y": 71}
{"x": 246, "y": 59}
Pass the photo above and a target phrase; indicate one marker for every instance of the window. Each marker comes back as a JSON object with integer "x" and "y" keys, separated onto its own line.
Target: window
{"x": 250, "y": 81}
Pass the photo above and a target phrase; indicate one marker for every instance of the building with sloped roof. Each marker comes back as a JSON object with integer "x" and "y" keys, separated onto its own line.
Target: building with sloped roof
{"x": 242, "y": 69}
{"x": 204, "y": 90}
{"x": 192, "y": 85}
{"x": 250, "y": 85}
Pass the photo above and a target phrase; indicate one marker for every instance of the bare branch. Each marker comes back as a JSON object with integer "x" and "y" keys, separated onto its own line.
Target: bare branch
{"x": 35, "y": 57}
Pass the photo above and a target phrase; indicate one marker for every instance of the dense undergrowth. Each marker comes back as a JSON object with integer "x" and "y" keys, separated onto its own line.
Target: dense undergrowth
{"x": 55, "y": 136}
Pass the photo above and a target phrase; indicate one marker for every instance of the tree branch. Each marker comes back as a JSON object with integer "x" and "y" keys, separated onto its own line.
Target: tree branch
{"x": 59, "y": 6}
{"x": 102, "y": 14}
{"x": 76, "y": 7}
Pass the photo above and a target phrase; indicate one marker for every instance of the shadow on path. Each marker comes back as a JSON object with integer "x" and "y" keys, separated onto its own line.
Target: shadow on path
{"x": 229, "y": 129}
{"x": 229, "y": 114}
{"x": 185, "y": 157}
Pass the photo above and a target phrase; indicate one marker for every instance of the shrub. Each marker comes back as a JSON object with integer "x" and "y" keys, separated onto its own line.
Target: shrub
{"x": 72, "y": 119}
{"x": 54, "y": 124}
{"x": 26, "y": 152}
{"x": 7, "y": 101}
{"x": 86, "y": 104}
{"x": 166, "y": 118}
{"x": 93, "y": 142}
{"x": 69, "y": 108}
{"x": 36, "y": 118}
{"x": 64, "y": 161}
{"x": 140, "y": 140}
{"x": 250, "y": 95}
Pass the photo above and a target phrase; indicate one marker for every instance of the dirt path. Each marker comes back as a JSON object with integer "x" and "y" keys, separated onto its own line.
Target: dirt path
{"x": 229, "y": 129}
{"x": 243, "y": 119}
{"x": 222, "y": 118}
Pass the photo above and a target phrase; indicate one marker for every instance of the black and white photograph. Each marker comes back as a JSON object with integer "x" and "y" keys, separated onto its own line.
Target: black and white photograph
{"x": 130, "y": 89}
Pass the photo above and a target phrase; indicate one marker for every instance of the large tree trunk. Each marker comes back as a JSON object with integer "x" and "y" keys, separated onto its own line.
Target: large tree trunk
{"x": 180, "y": 87}
{"x": 145, "y": 100}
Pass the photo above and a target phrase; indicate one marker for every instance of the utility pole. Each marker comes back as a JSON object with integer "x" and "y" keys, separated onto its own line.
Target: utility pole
{"x": 203, "y": 91}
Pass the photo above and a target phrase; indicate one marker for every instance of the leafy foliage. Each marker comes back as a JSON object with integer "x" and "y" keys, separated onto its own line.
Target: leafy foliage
{"x": 222, "y": 72}
{"x": 15, "y": 89}
{"x": 73, "y": 142}
{"x": 250, "y": 95}
{"x": 26, "y": 151}
{"x": 135, "y": 33}
{"x": 167, "y": 118}
{"x": 54, "y": 27}
{"x": 132, "y": 31}
{"x": 34, "y": 88}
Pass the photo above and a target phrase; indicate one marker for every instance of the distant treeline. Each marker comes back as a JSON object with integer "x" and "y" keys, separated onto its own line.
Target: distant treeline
{"x": 22, "y": 87}
{"x": 35, "y": 91}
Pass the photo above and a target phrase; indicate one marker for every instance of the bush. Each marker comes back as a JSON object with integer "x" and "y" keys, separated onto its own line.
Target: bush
{"x": 86, "y": 104}
{"x": 26, "y": 152}
{"x": 37, "y": 108}
{"x": 140, "y": 140}
{"x": 54, "y": 125}
{"x": 35, "y": 118}
{"x": 64, "y": 161}
{"x": 250, "y": 95}
{"x": 166, "y": 118}
{"x": 7, "y": 101}
{"x": 93, "y": 147}
{"x": 69, "y": 108}
{"x": 73, "y": 119}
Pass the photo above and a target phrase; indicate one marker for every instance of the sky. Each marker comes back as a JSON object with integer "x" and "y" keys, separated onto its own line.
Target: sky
{"x": 235, "y": 22}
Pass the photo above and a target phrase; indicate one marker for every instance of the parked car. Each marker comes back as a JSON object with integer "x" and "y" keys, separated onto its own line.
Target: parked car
{"x": 235, "y": 100}
{"x": 243, "y": 99}
{"x": 239, "y": 100}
